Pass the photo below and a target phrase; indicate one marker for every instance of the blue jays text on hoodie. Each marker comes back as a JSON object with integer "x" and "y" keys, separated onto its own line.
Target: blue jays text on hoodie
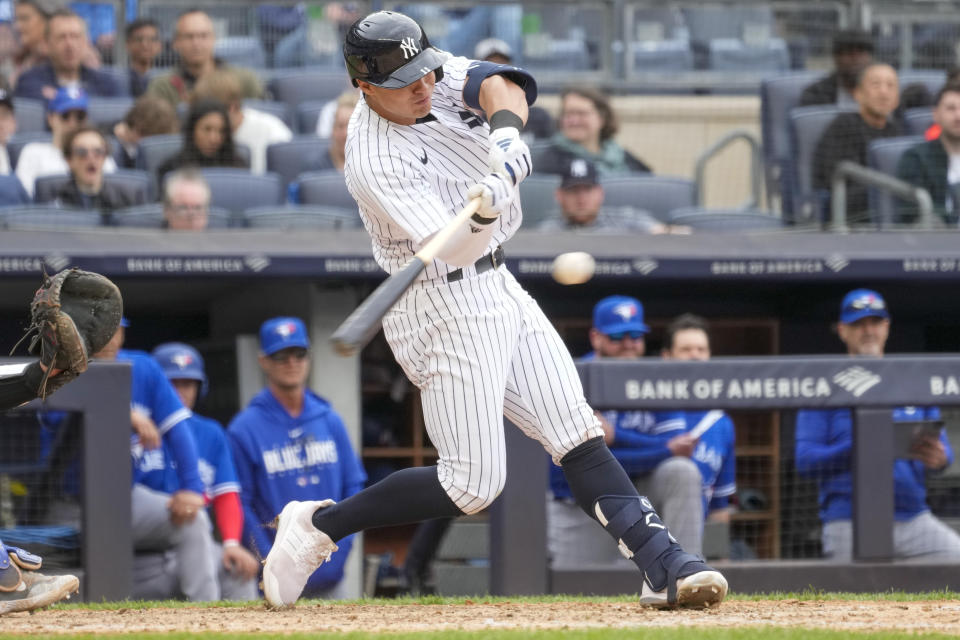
{"x": 153, "y": 395}
{"x": 823, "y": 446}
{"x": 280, "y": 458}
{"x": 714, "y": 457}
{"x": 640, "y": 442}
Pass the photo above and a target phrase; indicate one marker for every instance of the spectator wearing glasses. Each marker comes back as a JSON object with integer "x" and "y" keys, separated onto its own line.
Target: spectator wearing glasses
{"x": 143, "y": 47}
{"x": 86, "y": 152}
{"x": 653, "y": 448}
{"x": 66, "y": 112}
{"x": 194, "y": 42}
{"x": 186, "y": 201}
{"x": 67, "y": 46}
{"x": 824, "y": 441}
{"x": 290, "y": 444}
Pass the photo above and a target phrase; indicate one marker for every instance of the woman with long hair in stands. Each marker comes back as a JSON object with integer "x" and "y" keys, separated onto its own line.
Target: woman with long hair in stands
{"x": 207, "y": 140}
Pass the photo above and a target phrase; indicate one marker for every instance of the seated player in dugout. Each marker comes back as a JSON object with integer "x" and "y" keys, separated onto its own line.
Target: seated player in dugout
{"x": 432, "y": 133}
{"x": 238, "y": 568}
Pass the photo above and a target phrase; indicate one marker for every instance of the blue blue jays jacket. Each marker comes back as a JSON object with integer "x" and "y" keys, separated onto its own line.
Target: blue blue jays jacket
{"x": 280, "y": 458}
{"x": 823, "y": 444}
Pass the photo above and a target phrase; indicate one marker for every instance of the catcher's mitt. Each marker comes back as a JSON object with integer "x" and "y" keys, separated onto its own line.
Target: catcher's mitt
{"x": 73, "y": 315}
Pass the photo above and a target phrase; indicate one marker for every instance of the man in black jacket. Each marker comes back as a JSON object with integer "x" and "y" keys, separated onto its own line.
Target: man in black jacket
{"x": 852, "y": 49}
{"x": 935, "y": 165}
{"x": 86, "y": 150}
{"x": 847, "y": 137}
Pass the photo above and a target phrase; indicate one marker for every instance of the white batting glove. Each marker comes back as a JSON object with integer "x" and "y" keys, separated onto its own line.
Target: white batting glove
{"x": 496, "y": 194}
{"x": 509, "y": 154}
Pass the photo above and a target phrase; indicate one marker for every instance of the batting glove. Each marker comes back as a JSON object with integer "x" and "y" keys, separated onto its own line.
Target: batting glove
{"x": 496, "y": 194}
{"x": 509, "y": 154}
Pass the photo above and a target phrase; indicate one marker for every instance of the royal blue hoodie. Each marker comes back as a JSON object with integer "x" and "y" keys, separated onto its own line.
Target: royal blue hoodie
{"x": 280, "y": 458}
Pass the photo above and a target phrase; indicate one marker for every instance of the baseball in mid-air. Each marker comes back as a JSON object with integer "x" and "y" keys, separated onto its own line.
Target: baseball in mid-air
{"x": 575, "y": 267}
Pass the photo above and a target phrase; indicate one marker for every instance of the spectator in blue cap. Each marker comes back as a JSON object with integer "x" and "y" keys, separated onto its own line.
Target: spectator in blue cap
{"x": 66, "y": 112}
{"x": 290, "y": 444}
{"x": 824, "y": 440}
{"x": 652, "y": 447}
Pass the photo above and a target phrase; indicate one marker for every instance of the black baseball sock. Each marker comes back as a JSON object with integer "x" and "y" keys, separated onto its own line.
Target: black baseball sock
{"x": 603, "y": 490}
{"x": 405, "y": 496}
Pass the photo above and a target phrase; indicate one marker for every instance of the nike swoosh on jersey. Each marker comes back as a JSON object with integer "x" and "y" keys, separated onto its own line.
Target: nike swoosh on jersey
{"x": 424, "y": 158}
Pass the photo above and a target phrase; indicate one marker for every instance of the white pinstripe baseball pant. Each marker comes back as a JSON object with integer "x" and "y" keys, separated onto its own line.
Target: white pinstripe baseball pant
{"x": 480, "y": 349}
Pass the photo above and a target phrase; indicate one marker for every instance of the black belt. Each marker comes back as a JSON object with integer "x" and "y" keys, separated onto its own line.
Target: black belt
{"x": 492, "y": 260}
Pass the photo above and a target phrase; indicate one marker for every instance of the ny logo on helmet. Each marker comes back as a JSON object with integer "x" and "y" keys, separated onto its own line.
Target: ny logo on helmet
{"x": 409, "y": 47}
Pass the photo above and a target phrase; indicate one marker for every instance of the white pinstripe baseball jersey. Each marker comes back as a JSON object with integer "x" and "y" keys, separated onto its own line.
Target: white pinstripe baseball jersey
{"x": 410, "y": 180}
{"x": 478, "y": 348}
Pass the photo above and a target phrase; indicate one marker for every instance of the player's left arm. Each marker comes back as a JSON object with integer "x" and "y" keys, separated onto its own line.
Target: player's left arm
{"x": 504, "y": 93}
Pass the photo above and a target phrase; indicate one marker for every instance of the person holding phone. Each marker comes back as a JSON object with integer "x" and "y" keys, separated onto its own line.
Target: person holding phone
{"x": 823, "y": 447}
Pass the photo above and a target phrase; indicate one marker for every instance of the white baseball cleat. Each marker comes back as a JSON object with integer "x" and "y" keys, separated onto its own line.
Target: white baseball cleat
{"x": 298, "y": 550}
{"x": 702, "y": 589}
{"x": 37, "y": 591}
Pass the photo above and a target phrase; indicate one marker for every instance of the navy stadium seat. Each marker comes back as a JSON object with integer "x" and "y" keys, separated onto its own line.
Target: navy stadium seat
{"x": 884, "y": 155}
{"x": 300, "y": 217}
{"x": 151, "y": 216}
{"x": 918, "y": 120}
{"x": 238, "y": 189}
{"x": 102, "y": 112}
{"x": 657, "y": 194}
{"x": 300, "y": 155}
{"x": 31, "y": 115}
{"x": 726, "y": 220}
{"x": 538, "y": 199}
{"x": 297, "y": 85}
{"x": 327, "y": 188}
{"x": 807, "y": 125}
{"x": 43, "y": 215}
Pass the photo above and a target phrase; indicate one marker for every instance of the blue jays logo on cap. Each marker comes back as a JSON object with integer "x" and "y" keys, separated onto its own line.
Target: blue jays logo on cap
{"x": 283, "y": 333}
{"x": 862, "y": 303}
{"x": 182, "y": 360}
{"x": 617, "y": 314}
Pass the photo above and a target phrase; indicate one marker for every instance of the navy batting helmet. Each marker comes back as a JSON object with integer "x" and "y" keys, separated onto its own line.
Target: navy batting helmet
{"x": 390, "y": 50}
{"x": 180, "y": 361}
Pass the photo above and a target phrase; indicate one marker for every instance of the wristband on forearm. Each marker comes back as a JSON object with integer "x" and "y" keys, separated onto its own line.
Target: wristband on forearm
{"x": 505, "y": 118}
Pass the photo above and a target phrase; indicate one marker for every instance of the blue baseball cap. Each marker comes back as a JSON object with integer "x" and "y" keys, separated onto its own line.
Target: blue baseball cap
{"x": 180, "y": 361}
{"x": 617, "y": 314}
{"x": 68, "y": 99}
{"x": 283, "y": 333}
{"x": 862, "y": 303}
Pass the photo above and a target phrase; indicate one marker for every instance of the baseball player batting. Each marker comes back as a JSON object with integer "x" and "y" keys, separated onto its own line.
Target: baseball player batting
{"x": 431, "y": 133}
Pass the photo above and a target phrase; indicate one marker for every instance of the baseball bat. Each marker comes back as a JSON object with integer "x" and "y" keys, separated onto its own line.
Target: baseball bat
{"x": 360, "y": 326}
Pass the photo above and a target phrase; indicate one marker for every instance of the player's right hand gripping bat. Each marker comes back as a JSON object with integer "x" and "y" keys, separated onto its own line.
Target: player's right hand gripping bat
{"x": 357, "y": 330}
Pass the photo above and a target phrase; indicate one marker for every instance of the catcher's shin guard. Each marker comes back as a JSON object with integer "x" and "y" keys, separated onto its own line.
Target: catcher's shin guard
{"x": 671, "y": 575}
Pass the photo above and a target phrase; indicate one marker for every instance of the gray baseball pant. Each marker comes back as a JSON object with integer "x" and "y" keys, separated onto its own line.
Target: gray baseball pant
{"x": 194, "y": 573}
{"x": 923, "y": 537}
{"x": 675, "y": 488}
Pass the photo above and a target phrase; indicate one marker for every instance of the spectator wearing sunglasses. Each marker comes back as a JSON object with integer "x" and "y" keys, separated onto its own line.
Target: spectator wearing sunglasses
{"x": 652, "y": 447}
{"x": 66, "y": 112}
{"x": 824, "y": 441}
{"x": 290, "y": 444}
{"x": 86, "y": 152}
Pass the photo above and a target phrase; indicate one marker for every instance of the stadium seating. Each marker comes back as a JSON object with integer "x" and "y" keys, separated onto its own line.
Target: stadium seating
{"x": 43, "y": 215}
{"x": 918, "y": 120}
{"x": 300, "y": 217}
{"x": 278, "y": 109}
{"x": 537, "y": 198}
{"x": 12, "y": 191}
{"x": 660, "y": 42}
{"x": 326, "y": 188}
{"x": 752, "y": 25}
{"x": 727, "y": 220}
{"x": 105, "y": 112}
{"x": 807, "y": 125}
{"x": 241, "y": 51}
{"x": 300, "y": 155}
{"x": 154, "y": 150}
{"x": 150, "y": 216}
{"x": 733, "y": 54}
{"x": 778, "y": 95}
{"x": 137, "y": 184}
{"x": 297, "y": 85}
{"x": 883, "y": 155}
{"x": 657, "y": 194}
{"x": 931, "y": 79}
{"x": 31, "y": 115}
{"x": 238, "y": 189}
{"x": 19, "y": 140}
{"x": 307, "y": 115}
